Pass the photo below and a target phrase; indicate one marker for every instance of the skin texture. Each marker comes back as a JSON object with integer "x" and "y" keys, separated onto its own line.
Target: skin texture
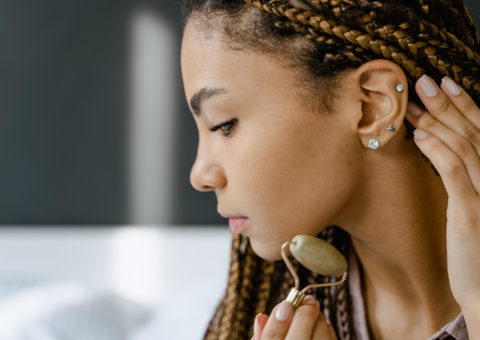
{"x": 289, "y": 172}
{"x": 273, "y": 148}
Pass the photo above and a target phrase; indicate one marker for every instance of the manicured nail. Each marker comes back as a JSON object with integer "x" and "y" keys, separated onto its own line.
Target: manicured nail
{"x": 309, "y": 300}
{"x": 284, "y": 311}
{"x": 420, "y": 134}
{"x": 451, "y": 86}
{"x": 414, "y": 109}
{"x": 428, "y": 86}
{"x": 255, "y": 324}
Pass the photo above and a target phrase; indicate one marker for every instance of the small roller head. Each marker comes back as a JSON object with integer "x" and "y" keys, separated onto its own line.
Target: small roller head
{"x": 318, "y": 255}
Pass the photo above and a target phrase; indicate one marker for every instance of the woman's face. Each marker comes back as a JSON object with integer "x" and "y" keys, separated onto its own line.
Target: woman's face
{"x": 275, "y": 164}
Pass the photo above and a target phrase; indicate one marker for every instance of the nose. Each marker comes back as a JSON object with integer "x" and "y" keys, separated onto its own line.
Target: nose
{"x": 206, "y": 176}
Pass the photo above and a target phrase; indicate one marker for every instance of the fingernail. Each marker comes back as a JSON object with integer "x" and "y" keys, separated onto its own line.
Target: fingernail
{"x": 414, "y": 109}
{"x": 428, "y": 86}
{"x": 284, "y": 311}
{"x": 420, "y": 134}
{"x": 451, "y": 86}
{"x": 309, "y": 300}
{"x": 255, "y": 324}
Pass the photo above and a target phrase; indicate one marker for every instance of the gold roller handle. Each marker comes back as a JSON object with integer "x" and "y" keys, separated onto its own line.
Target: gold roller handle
{"x": 316, "y": 255}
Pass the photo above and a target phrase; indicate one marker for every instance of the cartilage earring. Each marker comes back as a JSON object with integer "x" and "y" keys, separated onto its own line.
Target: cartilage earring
{"x": 391, "y": 128}
{"x": 373, "y": 144}
{"x": 399, "y": 88}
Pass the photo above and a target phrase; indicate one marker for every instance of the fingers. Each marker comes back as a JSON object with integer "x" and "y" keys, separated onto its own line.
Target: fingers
{"x": 259, "y": 325}
{"x": 278, "y": 323}
{"x": 451, "y": 153}
{"x": 449, "y": 165}
{"x": 304, "y": 320}
{"x": 448, "y": 134}
{"x": 323, "y": 330}
{"x": 307, "y": 323}
{"x": 331, "y": 332}
{"x": 462, "y": 101}
{"x": 452, "y": 106}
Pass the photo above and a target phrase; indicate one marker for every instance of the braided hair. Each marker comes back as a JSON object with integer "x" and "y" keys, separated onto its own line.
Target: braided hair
{"x": 319, "y": 40}
{"x": 256, "y": 286}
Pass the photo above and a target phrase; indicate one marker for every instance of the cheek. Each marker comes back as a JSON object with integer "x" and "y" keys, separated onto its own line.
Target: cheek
{"x": 288, "y": 176}
{"x": 267, "y": 171}
{"x": 291, "y": 182}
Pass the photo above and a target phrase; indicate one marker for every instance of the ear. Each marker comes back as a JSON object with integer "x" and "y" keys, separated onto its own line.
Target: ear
{"x": 383, "y": 103}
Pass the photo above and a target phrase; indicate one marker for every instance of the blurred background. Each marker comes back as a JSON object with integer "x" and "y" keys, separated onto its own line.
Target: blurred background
{"x": 94, "y": 126}
{"x": 101, "y": 235}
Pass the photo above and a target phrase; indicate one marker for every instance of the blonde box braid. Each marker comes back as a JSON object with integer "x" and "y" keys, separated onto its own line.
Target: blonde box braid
{"x": 404, "y": 44}
{"x": 248, "y": 290}
{"x": 253, "y": 289}
{"x": 437, "y": 37}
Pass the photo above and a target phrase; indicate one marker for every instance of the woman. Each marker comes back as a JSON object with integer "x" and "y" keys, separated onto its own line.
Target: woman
{"x": 306, "y": 111}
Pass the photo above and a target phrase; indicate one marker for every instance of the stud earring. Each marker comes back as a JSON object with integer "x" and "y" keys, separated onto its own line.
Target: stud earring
{"x": 399, "y": 88}
{"x": 373, "y": 144}
{"x": 391, "y": 128}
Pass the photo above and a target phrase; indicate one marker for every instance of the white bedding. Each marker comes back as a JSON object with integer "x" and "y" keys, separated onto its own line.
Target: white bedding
{"x": 48, "y": 310}
{"x": 102, "y": 283}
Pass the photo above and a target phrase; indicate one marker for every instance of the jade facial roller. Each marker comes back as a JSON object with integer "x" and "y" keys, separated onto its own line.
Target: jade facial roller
{"x": 316, "y": 255}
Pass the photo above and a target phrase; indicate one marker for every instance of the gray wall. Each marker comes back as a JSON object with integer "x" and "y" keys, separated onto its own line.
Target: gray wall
{"x": 65, "y": 108}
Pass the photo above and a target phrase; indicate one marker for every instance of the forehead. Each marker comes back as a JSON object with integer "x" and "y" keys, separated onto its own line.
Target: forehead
{"x": 207, "y": 62}
{"x": 202, "y": 59}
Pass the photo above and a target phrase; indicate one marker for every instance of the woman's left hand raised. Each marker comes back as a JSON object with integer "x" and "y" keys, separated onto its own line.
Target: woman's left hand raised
{"x": 448, "y": 133}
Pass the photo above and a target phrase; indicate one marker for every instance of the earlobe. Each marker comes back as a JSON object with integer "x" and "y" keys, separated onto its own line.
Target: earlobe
{"x": 384, "y": 102}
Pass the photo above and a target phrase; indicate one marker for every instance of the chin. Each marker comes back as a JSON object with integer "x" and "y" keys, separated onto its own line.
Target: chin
{"x": 268, "y": 252}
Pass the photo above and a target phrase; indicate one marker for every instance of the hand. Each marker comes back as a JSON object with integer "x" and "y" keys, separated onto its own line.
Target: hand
{"x": 306, "y": 323}
{"x": 449, "y": 135}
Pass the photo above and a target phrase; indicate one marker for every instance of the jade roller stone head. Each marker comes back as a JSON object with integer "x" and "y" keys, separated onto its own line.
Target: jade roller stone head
{"x": 318, "y": 255}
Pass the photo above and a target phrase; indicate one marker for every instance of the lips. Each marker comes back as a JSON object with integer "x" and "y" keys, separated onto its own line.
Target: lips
{"x": 236, "y": 223}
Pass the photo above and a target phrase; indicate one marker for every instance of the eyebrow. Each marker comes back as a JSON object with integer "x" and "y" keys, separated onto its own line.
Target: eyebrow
{"x": 201, "y": 95}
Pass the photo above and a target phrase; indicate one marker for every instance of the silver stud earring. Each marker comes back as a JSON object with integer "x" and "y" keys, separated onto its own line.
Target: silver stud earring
{"x": 399, "y": 88}
{"x": 391, "y": 128}
{"x": 373, "y": 144}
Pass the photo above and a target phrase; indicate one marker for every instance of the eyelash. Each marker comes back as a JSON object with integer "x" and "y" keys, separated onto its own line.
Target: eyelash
{"x": 223, "y": 125}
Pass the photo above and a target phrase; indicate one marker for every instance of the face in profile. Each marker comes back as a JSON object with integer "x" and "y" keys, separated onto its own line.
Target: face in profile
{"x": 277, "y": 168}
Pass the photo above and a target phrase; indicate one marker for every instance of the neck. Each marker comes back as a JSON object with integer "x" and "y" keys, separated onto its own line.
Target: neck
{"x": 403, "y": 250}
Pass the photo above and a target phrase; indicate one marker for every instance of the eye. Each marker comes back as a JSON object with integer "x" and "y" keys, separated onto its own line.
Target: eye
{"x": 226, "y": 127}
